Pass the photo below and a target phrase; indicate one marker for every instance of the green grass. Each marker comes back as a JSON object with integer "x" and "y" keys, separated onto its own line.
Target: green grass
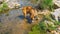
{"x": 42, "y": 27}
{"x": 46, "y": 4}
{"x": 46, "y": 23}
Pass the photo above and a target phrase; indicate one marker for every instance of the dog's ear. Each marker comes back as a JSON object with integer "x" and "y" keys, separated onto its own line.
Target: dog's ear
{"x": 29, "y": 7}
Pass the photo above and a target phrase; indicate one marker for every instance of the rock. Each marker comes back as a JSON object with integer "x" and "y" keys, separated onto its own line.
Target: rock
{"x": 49, "y": 23}
{"x": 1, "y": 1}
{"x": 58, "y": 29}
{"x": 13, "y": 3}
{"x": 56, "y": 13}
{"x": 54, "y": 32}
{"x": 44, "y": 12}
{"x": 57, "y": 2}
{"x": 17, "y": 5}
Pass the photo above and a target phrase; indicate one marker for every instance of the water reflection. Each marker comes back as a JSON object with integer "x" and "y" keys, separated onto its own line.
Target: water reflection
{"x": 27, "y": 17}
{"x": 21, "y": 17}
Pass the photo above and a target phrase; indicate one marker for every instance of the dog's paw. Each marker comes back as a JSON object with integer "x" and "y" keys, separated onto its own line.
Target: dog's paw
{"x": 32, "y": 21}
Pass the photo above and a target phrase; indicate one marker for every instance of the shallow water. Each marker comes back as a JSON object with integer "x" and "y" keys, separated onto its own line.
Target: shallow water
{"x": 17, "y": 12}
{"x": 14, "y": 23}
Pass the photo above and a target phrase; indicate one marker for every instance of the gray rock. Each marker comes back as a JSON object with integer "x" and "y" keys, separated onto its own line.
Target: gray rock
{"x": 56, "y": 13}
{"x": 12, "y": 3}
{"x": 57, "y": 2}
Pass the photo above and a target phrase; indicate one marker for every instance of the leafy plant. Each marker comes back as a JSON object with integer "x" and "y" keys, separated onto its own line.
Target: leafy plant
{"x": 42, "y": 27}
{"x": 47, "y": 24}
{"x": 3, "y": 7}
{"x": 39, "y": 29}
{"x": 46, "y": 4}
{"x": 36, "y": 30}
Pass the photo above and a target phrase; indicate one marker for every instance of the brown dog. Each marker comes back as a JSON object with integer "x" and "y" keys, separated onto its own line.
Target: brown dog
{"x": 29, "y": 10}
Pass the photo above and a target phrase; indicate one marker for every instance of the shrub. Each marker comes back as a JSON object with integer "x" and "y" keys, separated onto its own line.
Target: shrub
{"x": 42, "y": 28}
{"x": 47, "y": 24}
{"x": 46, "y": 4}
{"x": 3, "y": 8}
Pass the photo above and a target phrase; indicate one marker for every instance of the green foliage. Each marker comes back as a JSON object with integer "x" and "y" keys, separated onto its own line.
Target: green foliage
{"x": 37, "y": 30}
{"x": 3, "y": 7}
{"x": 42, "y": 27}
{"x": 46, "y": 4}
{"x": 57, "y": 23}
{"x": 47, "y": 23}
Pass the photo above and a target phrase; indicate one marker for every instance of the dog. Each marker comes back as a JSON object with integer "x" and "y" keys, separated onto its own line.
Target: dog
{"x": 29, "y": 10}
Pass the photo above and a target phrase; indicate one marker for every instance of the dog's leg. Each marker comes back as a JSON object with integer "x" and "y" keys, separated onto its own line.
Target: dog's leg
{"x": 32, "y": 18}
{"x": 24, "y": 13}
{"x": 32, "y": 14}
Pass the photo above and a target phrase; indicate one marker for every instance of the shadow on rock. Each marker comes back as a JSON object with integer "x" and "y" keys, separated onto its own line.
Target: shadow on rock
{"x": 27, "y": 17}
